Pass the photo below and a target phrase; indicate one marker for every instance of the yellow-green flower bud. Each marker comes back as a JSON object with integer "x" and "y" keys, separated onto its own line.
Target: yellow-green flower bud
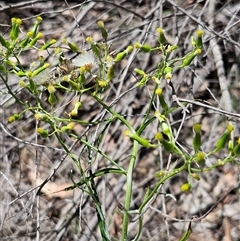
{"x": 168, "y": 69}
{"x": 52, "y": 99}
{"x": 161, "y": 99}
{"x": 168, "y": 76}
{"x": 140, "y": 72}
{"x": 103, "y": 30}
{"x": 16, "y": 22}
{"x": 236, "y": 149}
{"x": 37, "y": 71}
{"x": 137, "y": 45}
{"x": 145, "y": 48}
{"x": 199, "y": 38}
{"x": 22, "y": 83}
{"x": 13, "y": 118}
{"x": 120, "y": 56}
{"x": 161, "y": 38}
{"x": 200, "y": 159}
{"x": 186, "y": 187}
{"x": 220, "y": 144}
{"x": 168, "y": 146}
{"x": 70, "y": 126}
{"x": 34, "y": 40}
{"x": 25, "y": 42}
{"x": 36, "y": 25}
{"x": 89, "y": 40}
{"x": 220, "y": 162}
{"x": 48, "y": 44}
{"x": 195, "y": 176}
{"x": 129, "y": 49}
{"x": 73, "y": 47}
{"x": 158, "y": 91}
{"x": 39, "y": 19}
{"x": 103, "y": 83}
{"x": 166, "y": 129}
{"x": 38, "y": 116}
{"x": 77, "y": 105}
{"x": 143, "y": 81}
{"x": 74, "y": 112}
{"x": 230, "y": 146}
{"x": 110, "y": 72}
{"x": 51, "y": 89}
{"x": 197, "y": 137}
{"x": 160, "y": 174}
{"x": 189, "y": 57}
{"x": 42, "y": 132}
{"x": 144, "y": 142}
{"x": 170, "y": 48}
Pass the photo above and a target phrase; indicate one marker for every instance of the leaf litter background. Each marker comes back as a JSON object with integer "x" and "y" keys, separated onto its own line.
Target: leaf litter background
{"x": 26, "y": 161}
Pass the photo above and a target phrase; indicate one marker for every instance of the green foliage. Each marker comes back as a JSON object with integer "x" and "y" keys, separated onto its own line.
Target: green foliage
{"x": 75, "y": 76}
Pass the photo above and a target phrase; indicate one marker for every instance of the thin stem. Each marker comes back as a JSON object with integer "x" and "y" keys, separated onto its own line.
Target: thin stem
{"x": 129, "y": 191}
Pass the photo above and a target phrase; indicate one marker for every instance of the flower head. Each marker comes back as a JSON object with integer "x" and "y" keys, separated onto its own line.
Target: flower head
{"x": 85, "y": 59}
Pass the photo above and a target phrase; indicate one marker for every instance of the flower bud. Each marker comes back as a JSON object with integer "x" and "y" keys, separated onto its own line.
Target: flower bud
{"x": 120, "y": 56}
{"x": 103, "y": 83}
{"x": 69, "y": 127}
{"x": 168, "y": 69}
{"x": 25, "y": 41}
{"x": 22, "y": 83}
{"x": 38, "y": 116}
{"x": 16, "y": 22}
{"x": 145, "y": 48}
{"x": 144, "y": 142}
{"x": 186, "y": 187}
{"x": 42, "y": 132}
{"x": 220, "y": 162}
{"x": 13, "y": 118}
{"x": 197, "y": 137}
{"x": 52, "y": 99}
{"x": 230, "y": 146}
{"x": 236, "y": 149}
{"x": 160, "y": 174}
{"x": 189, "y": 57}
{"x": 195, "y": 176}
{"x": 36, "y": 25}
{"x": 220, "y": 144}
{"x": 199, "y": 38}
{"x": 73, "y": 47}
{"x": 48, "y": 44}
{"x": 35, "y": 39}
{"x": 51, "y": 89}
{"x": 200, "y": 159}
{"x": 37, "y": 71}
{"x": 110, "y": 72}
{"x": 161, "y": 38}
{"x": 168, "y": 76}
{"x": 161, "y": 99}
{"x": 140, "y": 72}
{"x": 103, "y": 30}
{"x": 168, "y": 146}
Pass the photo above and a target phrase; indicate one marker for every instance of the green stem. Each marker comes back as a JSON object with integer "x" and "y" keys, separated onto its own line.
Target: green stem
{"x": 159, "y": 183}
{"x": 116, "y": 115}
{"x": 129, "y": 191}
